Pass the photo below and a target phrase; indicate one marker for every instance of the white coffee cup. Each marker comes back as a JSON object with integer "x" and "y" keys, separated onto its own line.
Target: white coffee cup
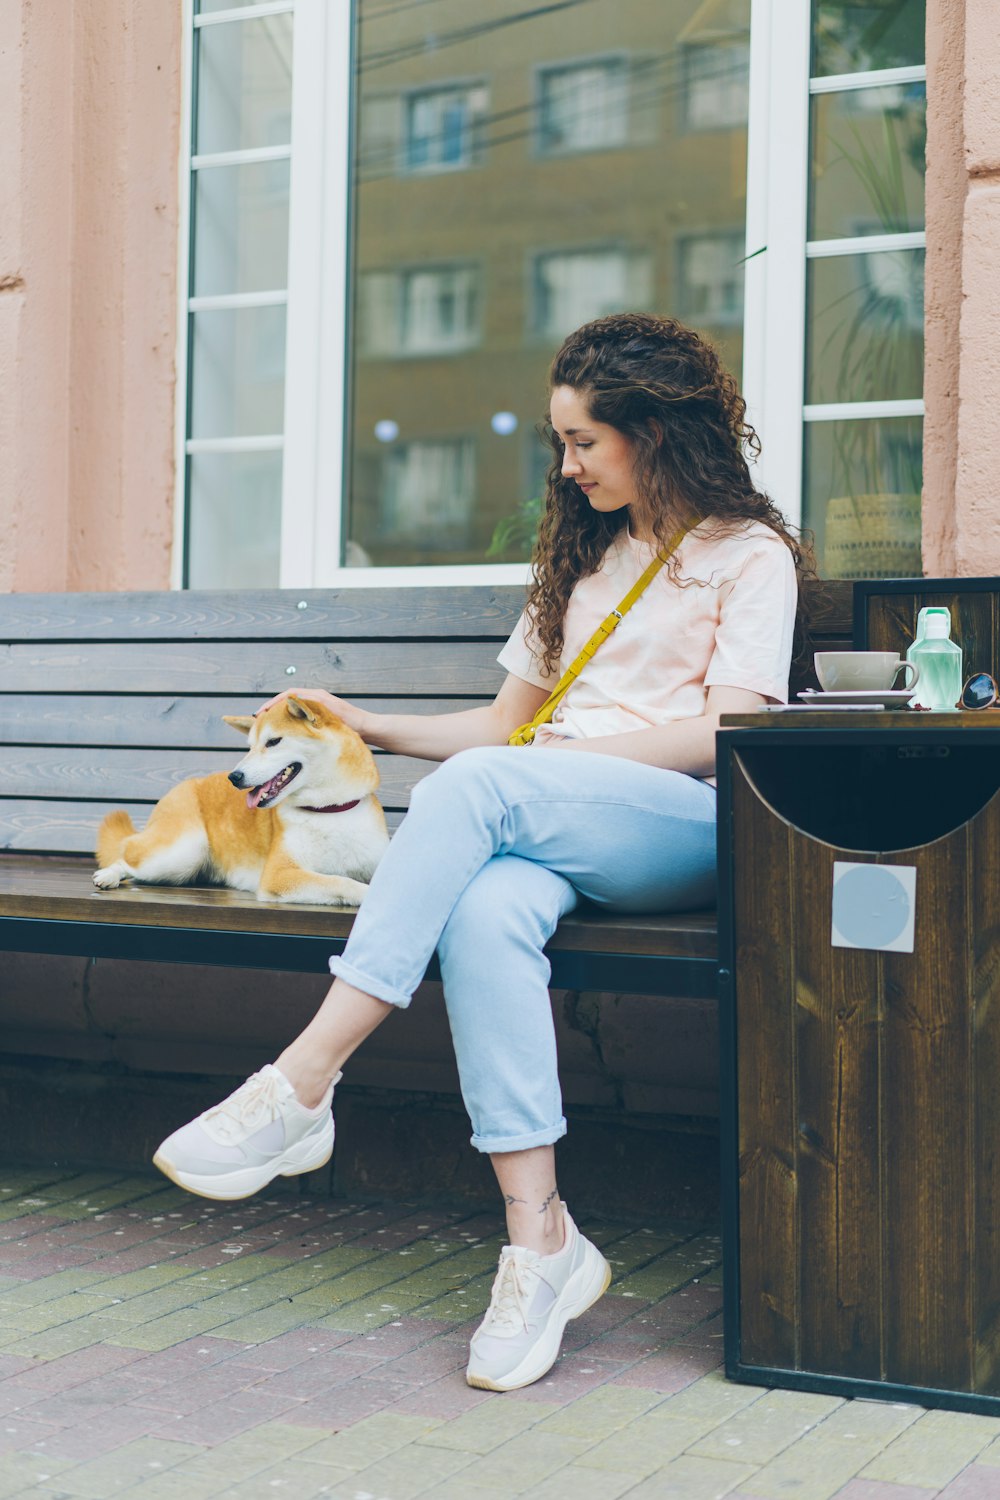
{"x": 862, "y": 671}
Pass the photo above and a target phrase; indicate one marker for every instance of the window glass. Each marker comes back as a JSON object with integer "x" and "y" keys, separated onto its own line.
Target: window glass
{"x": 865, "y": 334}
{"x": 234, "y": 517}
{"x": 244, "y": 84}
{"x": 868, "y": 161}
{"x": 575, "y": 286}
{"x": 710, "y": 268}
{"x": 716, "y": 84}
{"x": 516, "y": 173}
{"x": 861, "y": 36}
{"x": 237, "y": 372}
{"x": 241, "y": 228}
{"x": 862, "y": 496}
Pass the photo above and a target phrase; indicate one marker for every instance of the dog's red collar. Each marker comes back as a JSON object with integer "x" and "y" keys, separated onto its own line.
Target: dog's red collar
{"x": 336, "y": 807}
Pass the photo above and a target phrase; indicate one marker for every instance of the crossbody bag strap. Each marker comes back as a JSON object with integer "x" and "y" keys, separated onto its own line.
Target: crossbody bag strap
{"x": 526, "y": 733}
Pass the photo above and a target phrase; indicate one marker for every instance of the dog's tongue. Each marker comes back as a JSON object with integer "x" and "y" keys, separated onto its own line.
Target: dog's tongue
{"x": 255, "y": 794}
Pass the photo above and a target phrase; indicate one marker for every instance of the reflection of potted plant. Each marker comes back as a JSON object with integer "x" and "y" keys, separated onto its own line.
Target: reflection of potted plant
{"x": 873, "y": 519}
{"x": 514, "y": 535}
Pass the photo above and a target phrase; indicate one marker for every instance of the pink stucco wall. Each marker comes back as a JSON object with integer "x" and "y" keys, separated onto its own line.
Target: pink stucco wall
{"x": 88, "y": 255}
{"x": 961, "y": 505}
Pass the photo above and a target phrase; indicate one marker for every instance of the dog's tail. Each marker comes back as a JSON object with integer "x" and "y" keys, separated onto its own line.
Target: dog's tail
{"x": 111, "y": 836}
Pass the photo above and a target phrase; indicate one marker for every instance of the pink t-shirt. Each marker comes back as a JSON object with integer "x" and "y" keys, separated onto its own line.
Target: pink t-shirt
{"x": 727, "y": 620}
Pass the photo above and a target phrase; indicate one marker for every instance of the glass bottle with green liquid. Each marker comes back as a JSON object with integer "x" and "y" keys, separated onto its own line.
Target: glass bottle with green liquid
{"x": 939, "y": 660}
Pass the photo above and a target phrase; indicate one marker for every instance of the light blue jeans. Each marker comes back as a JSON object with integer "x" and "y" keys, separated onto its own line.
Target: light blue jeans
{"x": 499, "y": 843}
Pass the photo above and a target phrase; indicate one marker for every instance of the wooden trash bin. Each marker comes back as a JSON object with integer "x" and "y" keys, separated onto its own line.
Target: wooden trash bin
{"x": 861, "y": 1084}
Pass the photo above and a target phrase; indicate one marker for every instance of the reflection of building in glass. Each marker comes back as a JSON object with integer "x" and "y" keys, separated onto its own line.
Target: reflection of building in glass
{"x": 515, "y": 176}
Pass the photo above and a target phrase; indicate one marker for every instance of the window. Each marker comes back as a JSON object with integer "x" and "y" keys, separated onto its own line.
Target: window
{"x": 237, "y": 280}
{"x": 431, "y": 310}
{"x": 572, "y": 287}
{"x": 583, "y": 107}
{"x": 460, "y": 186}
{"x": 715, "y": 77}
{"x": 441, "y": 128}
{"x": 835, "y": 249}
{"x": 711, "y": 279}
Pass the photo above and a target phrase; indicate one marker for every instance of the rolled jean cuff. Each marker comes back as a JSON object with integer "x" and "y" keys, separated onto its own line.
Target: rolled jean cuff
{"x": 368, "y": 985}
{"x": 498, "y": 1143}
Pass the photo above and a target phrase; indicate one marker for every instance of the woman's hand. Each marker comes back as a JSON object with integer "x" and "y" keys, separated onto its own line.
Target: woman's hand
{"x": 350, "y": 714}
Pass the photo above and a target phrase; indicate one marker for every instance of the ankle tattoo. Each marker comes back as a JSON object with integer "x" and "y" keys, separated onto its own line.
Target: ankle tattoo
{"x": 554, "y": 1194}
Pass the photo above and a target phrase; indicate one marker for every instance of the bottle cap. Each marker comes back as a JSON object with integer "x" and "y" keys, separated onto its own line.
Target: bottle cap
{"x": 937, "y": 627}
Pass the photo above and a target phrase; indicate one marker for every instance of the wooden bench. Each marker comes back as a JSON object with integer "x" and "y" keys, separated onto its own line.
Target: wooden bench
{"x": 107, "y": 700}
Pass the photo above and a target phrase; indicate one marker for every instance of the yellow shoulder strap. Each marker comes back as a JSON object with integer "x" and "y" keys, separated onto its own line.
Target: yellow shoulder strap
{"x": 526, "y": 733}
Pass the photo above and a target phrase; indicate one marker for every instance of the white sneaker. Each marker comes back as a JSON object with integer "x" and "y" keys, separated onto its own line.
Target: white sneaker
{"x": 260, "y": 1132}
{"x": 534, "y": 1297}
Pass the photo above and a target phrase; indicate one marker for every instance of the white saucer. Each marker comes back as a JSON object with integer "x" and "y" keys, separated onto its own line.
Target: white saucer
{"x": 877, "y": 697}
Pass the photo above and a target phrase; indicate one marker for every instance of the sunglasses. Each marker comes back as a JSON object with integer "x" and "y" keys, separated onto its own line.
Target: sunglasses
{"x": 980, "y": 691}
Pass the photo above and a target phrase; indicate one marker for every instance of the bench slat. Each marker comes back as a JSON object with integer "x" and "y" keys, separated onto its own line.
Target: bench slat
{"x": 189, "y": 723}
{"x": 264, "y": 615}
{"x": 145, "y": 775}
{"x": 40, "y": 888}
{"x": 53, "y": 828}
{"x": 350, "y": 669}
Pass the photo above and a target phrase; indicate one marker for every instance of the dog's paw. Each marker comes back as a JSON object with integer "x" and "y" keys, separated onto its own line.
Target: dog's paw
{"x": 108, "y": 879}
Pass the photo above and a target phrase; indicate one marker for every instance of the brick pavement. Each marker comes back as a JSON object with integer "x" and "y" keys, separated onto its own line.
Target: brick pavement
{"x": 156, "y": 1345}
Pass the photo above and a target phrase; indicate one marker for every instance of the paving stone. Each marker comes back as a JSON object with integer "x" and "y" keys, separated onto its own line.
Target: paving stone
{"x": 933, "y": 1449}
{"x": 19, "y": 1471}
{"x": 488, "y": 1425}
{"x": 295, "y": 1479}
{"x": 690, "y": 1478}
{"x": 387, "y": 1306}
{"x": 55, "y": 1313}
{"x": 599, "y": 1413}
{"x": 102, "y": 1477}
{"x": 413, "y": 1470}
{"x": 877, "y": 1489}
{"x": 641, "y": 1447}
{"x": 74, "y": 1367}
{"x": 49, "y": 1288}
{"x": 238, "y": 1458}
{"x": 759, "y": 1432}
{"x": 352, "y": 1402}
{"x": 576, "y": 1483}
{"x": 370, "y": 1440}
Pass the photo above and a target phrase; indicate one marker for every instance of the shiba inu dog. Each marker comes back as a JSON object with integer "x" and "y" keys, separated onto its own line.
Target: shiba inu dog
{"x": 307, "y": 827}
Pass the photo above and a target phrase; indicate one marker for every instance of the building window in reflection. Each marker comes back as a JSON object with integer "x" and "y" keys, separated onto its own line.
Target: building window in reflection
{"x": 442, "y": 128}
{"x": 423, "y": 310}
{"x": 716, "y": 86}
{"x": 571, "y": 287}
{"x": 710, "y": 272}
{"x": 583, "y": 106}
{"x": 428, "y": 494}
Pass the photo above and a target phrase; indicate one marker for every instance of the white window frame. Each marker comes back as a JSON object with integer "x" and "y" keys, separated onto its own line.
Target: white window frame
{"x": 774, "y": 329}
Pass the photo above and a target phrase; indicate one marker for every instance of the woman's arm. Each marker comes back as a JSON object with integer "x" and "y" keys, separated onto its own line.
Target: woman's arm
{"x": 687, "y": 745}
{"x": 435, "y": 736}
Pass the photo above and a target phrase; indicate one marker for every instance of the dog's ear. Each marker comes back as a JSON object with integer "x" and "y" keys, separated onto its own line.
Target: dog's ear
{"x": 299, "y": 710}
{"x": 242, "y": 723}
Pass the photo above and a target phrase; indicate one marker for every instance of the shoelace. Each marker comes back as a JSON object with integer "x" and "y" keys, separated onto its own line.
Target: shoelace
{"x": 246, "y": 1107}
{"x": 512, "y": 1288}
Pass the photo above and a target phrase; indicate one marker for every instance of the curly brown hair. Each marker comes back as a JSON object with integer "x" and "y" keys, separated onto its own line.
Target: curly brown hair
{"x": 665, "y": 389}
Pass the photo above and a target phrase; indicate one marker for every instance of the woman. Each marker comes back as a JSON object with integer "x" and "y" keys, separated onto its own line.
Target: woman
{"x": 613, "y": 801}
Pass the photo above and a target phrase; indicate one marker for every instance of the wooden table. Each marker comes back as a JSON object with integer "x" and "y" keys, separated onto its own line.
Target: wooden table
{"x": 861, "y": 1085}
